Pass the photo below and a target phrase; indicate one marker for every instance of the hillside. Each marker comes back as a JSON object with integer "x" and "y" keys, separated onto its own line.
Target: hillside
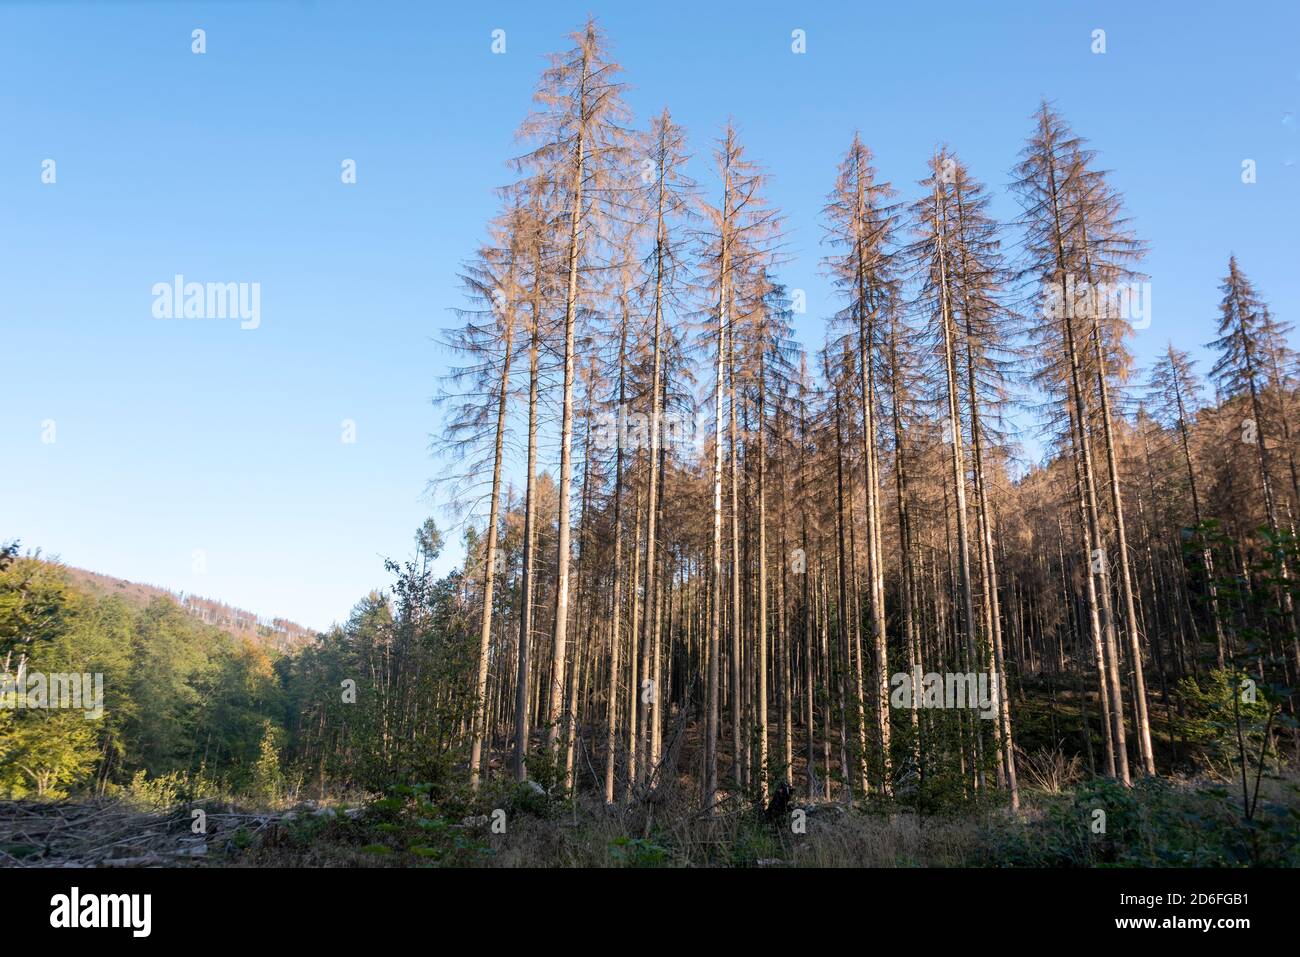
{"x": 274, "y": 633}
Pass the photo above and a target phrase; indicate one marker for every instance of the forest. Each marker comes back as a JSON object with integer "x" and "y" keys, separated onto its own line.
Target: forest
{"x": 731, "y": 599}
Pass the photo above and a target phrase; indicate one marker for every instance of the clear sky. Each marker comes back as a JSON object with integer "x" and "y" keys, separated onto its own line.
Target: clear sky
{"x": 171, "y": 437}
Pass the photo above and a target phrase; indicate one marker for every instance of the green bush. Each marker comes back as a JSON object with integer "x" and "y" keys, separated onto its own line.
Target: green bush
{"x": 1153, "y": 824}
{"x": 1212, "y": 707}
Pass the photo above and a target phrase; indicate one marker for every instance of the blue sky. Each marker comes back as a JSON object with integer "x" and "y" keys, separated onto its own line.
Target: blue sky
{"x": 172, "y": 437}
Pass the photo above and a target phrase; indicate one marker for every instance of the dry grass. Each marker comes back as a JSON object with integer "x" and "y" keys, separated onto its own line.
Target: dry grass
{"x": 661, "y": 835}
{"x": 664, "y": 828}
{"x": 1049, "y": 770}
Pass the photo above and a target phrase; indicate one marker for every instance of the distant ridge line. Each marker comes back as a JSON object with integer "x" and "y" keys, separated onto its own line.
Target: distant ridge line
{"x": 280, "y": 633}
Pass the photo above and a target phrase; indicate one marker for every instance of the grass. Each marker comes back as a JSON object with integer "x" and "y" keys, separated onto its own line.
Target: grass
{"x": 1157, "y": 822}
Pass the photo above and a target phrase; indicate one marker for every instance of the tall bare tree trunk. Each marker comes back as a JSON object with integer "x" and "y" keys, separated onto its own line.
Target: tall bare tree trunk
{"x": 523, "y": 697}
{"x": 489, "y": 575}
{"x": 555, "y": 702}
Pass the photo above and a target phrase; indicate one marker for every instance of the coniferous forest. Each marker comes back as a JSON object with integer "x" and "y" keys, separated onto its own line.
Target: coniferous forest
{"x": 955, "y": 582}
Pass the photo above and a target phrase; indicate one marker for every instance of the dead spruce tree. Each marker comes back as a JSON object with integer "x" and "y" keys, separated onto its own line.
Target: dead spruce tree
{"x": 642, "y": 609}
{"x": 962, "y": 276}
{"x": 670, "y": 194}
{"x": 735, "y": 240}
{"x": 860, "y": 222}
{"x": 1175, "y": 394}
{"x": 581, "y": 136}
{"x": 495, "y": 281}
{"x": 1250, "y": 343}
{"x": 1074, "y": 248}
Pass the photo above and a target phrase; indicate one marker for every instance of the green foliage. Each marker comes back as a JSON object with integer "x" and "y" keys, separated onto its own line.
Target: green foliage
{"x": 755, "y": 839}
{"x": 268, "y": 781}
{"x": 165, "y": 791}
{"x": 1153, "y": 824}
{"x": 404, "y": 826}
{"x": 44, "y": 754}
{"x": 637, "y": 852}
{"x": 526, "y": 799}
{"x": 183, "y": 701}
{"x": 369, "y": 699}
{"x": 189, "y": 708}
{"x": 1213, "y": 707}
{"x": 938, "y": 784}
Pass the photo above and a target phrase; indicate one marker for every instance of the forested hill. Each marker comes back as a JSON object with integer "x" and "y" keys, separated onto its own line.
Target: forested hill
{"x": 187, "y": 689}
{"x": 277, "y": 633}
